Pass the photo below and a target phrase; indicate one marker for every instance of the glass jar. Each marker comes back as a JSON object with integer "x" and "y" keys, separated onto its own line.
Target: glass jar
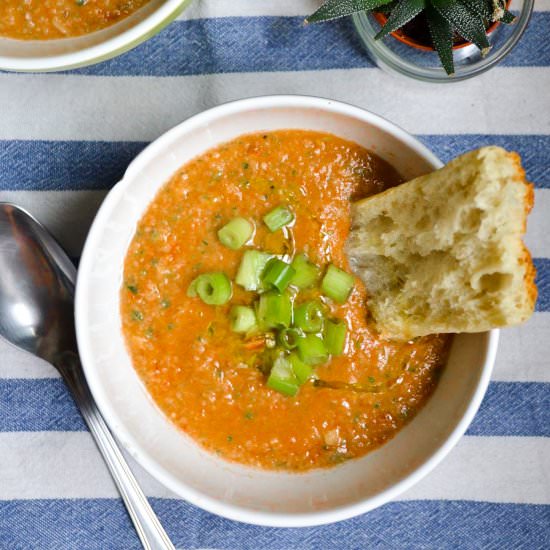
{"x": 396, "y": 56}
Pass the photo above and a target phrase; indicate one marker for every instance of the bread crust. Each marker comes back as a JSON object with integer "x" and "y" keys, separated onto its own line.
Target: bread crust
{"x": 526, "y": 259}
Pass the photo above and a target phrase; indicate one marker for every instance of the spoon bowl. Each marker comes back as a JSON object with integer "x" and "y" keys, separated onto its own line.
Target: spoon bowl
{"x": 36, "y": 287}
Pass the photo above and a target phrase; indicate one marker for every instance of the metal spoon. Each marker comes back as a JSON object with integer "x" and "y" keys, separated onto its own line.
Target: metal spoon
{"x": 37, "y": 282}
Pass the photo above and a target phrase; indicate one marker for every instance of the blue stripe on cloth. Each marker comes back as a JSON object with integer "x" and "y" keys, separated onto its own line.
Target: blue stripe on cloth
{"x": 240, "y": 44}
{"x": 542, "y": 266}
{"x": 64, "y": 165}
{"x": 513, "y": 409}
{"x": 533, "y": 150}
{"x": 509, "y": 408}
{"x": 98, "y": 524}
{"x": 266, "y": 44}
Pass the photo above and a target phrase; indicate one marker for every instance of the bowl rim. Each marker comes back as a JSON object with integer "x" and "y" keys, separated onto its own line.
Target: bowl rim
{"x": 111, "y": 47}
{"x": 193, "y": 496}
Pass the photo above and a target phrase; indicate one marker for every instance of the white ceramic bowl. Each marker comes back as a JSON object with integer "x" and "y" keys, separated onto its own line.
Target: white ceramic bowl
{"x": 69, "y": 53}
{"x": 231, "y": 490}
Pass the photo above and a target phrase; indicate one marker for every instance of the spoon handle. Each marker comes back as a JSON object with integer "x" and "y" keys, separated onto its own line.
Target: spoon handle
{"x": 148, "y": 527}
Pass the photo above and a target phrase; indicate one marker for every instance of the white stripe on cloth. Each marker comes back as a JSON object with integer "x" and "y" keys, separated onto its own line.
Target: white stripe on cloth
{"x": 523, "y": 351}
{"x": 142, "y": 108}
{"x": 15, "y": 363}
{"x": 69, "y": 214}
{"x": 522, "y": 355}
{"x": 537, "y": 238}
{"x": 493, "y": 469}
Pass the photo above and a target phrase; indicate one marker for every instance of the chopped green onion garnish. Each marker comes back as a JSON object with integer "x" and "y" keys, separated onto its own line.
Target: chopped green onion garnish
{"x": 288, "y": 337}
{"x": 252, "y": 266}
{"x": 335, "y": 337}
{"x": 282, "y": 378}
{"x": 277, "y": 274}
{"x": 309, "y": 316}
{"x": 302, "y": 372}
{"x": 212, "y": 288}
{"x": 306, "y": 274}
{"x": 278, "y": 217}
{"x": 311, "y": 350}
{"x": 243, "y": 319}
{"x": 337, "y": 284}
{"x": 236, "y": 233}
{"x": 274, "y": 310}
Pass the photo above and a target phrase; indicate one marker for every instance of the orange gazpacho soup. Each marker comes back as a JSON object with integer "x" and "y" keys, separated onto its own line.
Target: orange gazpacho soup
{"x": 51, "y": 19}
{"x": 215, "y": 380}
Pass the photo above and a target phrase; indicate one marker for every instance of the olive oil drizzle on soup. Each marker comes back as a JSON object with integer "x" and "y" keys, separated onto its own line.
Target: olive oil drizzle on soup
{"x": 51, "y": 19}
{"x": 202, "y": 374}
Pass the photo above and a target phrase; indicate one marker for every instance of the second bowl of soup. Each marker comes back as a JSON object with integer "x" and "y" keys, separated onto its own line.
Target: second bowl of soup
{"x": 52, "y": 35}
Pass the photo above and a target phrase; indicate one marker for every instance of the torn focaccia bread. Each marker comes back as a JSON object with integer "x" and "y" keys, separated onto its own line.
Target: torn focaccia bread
{"x": 444, "y": 252}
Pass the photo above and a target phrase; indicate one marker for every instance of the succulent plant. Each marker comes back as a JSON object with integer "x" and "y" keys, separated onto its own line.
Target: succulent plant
{"x": 446, "y": 20}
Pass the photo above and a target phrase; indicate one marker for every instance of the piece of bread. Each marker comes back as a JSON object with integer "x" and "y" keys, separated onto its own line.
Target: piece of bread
{"x": 444, "y": 252}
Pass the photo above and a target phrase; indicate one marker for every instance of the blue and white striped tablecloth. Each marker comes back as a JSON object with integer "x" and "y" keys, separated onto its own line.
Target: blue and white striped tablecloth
{"x": 65, "y": 139}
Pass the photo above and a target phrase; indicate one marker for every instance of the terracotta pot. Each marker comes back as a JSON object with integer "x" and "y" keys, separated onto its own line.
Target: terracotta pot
{"x": 405, "y": 39}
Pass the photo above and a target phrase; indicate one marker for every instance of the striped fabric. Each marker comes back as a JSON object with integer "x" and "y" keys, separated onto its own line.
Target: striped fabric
{"x": 65, "y": 139}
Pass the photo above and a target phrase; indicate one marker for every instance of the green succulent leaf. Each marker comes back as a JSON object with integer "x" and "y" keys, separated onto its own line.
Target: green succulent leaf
{"x": 466, "y": 23}
{"x": 507, "y": 18}
{"x": 403, "y": 12}
{"x": 490, "y": 10}
{"x": 441, "y": 34}
{"x": 481, "y": 7}
{"x": 334, "y": 9}
{"x": 386, "y": 9}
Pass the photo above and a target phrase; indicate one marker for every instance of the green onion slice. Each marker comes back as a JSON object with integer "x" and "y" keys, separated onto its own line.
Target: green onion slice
{"x": 243, "y": 319}
{"x": 288, "y": 337}
{"x": 212, "y": 288}
{"x": 312, "y": 350}
{"x": 278, "y": 218}
{"x": 277, "y": 274}
{"x": 337, "y": 284}
{"x": 274, "y": 310}
{"x": 309, "y": 316}
{"x": 282, "y": 378}
{"x": 251, "y": 268}
{"x": 236, "y": 233}
{"x": 302, "y": 372}
{"x": 306, "y": 274}
{"x": 335, "y": 337}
